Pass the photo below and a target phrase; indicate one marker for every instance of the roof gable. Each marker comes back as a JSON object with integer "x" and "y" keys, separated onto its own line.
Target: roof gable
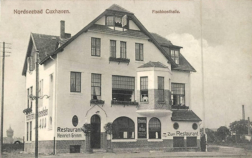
{"x": 153, "y": 64}
{"x": 184, "y": 115}
{"x": 118, "y": 9}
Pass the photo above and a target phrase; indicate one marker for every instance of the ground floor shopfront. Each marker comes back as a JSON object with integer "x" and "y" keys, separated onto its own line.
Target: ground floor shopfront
{"x": 166, "y": 131}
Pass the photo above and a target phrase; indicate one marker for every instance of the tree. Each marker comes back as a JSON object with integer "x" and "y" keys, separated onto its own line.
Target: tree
{"x": 239, "y": 127}
{"x": 210, "y": 135}
{"x": 222, "y": 133}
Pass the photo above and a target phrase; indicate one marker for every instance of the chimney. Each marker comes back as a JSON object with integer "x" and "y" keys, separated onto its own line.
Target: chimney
{"x": 249, "y": 132}
{"x": 62, "y": 29}
{"x": 243, "y": 113}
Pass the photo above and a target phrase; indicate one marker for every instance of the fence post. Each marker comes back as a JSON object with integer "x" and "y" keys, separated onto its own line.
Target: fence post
{"x": 23, "y": 144}
{"x": 53, "y": 145}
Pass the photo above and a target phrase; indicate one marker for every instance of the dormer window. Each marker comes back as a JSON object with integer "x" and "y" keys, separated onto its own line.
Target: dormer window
{"x": 175, "y": 56}
{"x": 116, "y": 21}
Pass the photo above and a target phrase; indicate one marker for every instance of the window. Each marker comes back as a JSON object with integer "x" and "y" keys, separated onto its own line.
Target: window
{"x": 178, "y": 94}
{"x": 194, "y": 126}
{"x": 154, "y": 128}
{"x": 123, "y": 128}
{"x": 113, "y": 48}
{"x": 31, "y": 89}
{"x": 96, "y": 86}
{"x": 31, "y": 131}
{"x": 114, "y": 21}
{"x": 191, "y": 141}
{"x": 95, "y": 46}
{"x": 28, "y": 100}
{"x": 27, "y": 130}
{"x": 144, "y": 89}
{"x": 75, "y": 82}
{"x": 41, "y": 87}
{"x": 160, "y": 89}
{"x": 176, "y": 125}
{"x": 178, "y": 141}
{"x": 175, "y": 56}
{"x": 123, "y": 50}
{"x": 123, "y": 88}
{"x": 139, "y": 52}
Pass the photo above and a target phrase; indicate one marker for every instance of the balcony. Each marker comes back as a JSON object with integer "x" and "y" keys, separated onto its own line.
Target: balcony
{"x": 119, "y": 60}
{"x": 27, "y": 111}
{"x": 97, "y": 102}
{"x": 174, "y": 107}
{"x": 116, "y": 102}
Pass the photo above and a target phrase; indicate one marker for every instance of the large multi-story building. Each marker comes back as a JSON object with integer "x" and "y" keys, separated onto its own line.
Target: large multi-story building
{"x": 113, "y": 70}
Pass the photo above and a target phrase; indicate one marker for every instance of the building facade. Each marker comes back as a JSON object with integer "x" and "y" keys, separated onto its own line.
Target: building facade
{"x": 113, "y": 70}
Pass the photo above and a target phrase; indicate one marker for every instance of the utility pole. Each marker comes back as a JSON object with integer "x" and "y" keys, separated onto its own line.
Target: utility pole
{"x": 2, "y": 97}
{"x": 2, "y": 103}
{"x": 202, "y": 76}
{"x": 37, "y": 97}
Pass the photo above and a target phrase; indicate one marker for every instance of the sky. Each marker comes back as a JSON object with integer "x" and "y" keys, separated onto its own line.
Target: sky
{"x": 227, "y": 50}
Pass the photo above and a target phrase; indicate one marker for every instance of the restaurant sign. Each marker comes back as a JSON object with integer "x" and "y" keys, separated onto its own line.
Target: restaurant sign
{"x": 141, "y": 122}
{"x": 69, "y": 132}
{"x": 179, "y": 133}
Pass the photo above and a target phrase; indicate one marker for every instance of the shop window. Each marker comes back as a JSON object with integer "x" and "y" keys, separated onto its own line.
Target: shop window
{"x": 31, "y": 131}
{"x": 139, "y": 52}
{"x": 75, "y": 148}
{"x": 144, "y": 89}
{"x": 178, "y": 141}
{"x": 113, "y": 48}
{"x": 123, "y": 128}
{"x": 96, "y": 86}
{"x": 176, "y": 125}
{"x": 175, "y": 56}
{"x": 191, "y": 141}
{"x": 194, "y": 126}
{"x": 123, "y": 50}
{"x": 75, "y": 82}
{"x": 27, "y": 131}
{"x": 160, "y": 89}
{"x": 154, "y": 128}
{"x": 123, "y": 88}
{"x": 178, "y": 94}
{"x": 95, "y": 46}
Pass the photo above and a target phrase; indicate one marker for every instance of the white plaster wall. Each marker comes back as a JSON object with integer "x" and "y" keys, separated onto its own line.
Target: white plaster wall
{"x": 101, "y": 21}
{"x": 77, "y": 57}
{"x": 183, "y": 77}
{"x": 132, "y": 25}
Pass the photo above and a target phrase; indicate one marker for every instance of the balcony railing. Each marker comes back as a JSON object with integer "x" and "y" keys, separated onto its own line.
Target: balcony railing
{"x": 180, "y": 107}
{"x": 116, "y": 102}
{"x": 119, "y": 60}
{"x": 96, "y": 101}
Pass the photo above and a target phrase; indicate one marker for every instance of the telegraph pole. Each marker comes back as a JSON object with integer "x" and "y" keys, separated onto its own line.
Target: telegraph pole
{"x": 37, "y": 97}
{"x": 2, "y": 97}
{"x": 2, "y": 103}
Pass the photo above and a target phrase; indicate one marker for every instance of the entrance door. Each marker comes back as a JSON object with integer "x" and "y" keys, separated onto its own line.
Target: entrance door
{"x": 96, "y": 133}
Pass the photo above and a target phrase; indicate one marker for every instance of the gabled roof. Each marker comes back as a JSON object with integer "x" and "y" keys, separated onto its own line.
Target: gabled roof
{"x": 127, "y": 33}
{"x": 161, "y": 40}
{"x": 184, "y": 115}
{"x": 45, "y": 44}
{"x": 115, "y": 8}
{"x": 153, "y": 64}
{"x": 118, "y": 8}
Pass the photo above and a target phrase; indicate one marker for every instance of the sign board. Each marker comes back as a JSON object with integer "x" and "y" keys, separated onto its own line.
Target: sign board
{"x": 141, "y": 127}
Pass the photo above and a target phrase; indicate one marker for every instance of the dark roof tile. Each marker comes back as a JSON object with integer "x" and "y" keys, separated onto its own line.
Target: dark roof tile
{"x": 161, "y": 40}
{"x": 118, "y": 8}
{"x": 153, "y": 64}
{"x": 184, "y": 115}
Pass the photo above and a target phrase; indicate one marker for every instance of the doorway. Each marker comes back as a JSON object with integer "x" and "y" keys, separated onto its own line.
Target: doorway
{"x": 96, "y": 133}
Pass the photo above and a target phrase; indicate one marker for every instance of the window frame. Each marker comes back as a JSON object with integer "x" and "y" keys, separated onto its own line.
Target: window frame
{"x": 161, "y": 89}
{"x": 159, "y": 128}
{"x": 179, "y": 95}
{"x": 28, "y": 97}
{"x": 31, "y": 90}
{"x": 113, "y": 21}
{"x": 75, "y": 91}
{"x": 92, "y": 79}
{"x": 139, "y": 56}
{"x": 95, "y": 54}
{"x": 121, "y": 50}
{"x": 128, "y": 128}
{"x": 27, "y": 130}
{"x": 144, "y": 90}
{"x": 174, "y": 56}
{"x": 112, "y": 54}
{"x": 30, "y": 130}
{"x": 120, "y": 78}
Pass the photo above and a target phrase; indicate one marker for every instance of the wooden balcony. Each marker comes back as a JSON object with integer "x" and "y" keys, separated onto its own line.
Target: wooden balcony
{"x": 119, "y": 60}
